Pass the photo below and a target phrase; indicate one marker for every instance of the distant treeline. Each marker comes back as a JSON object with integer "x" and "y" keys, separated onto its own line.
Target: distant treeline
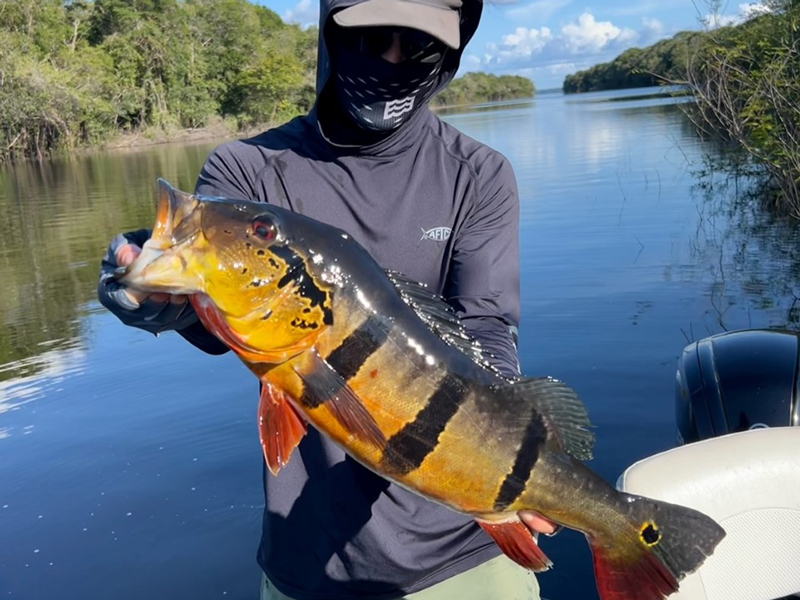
{"x": 77, "y": 72}
{"x": 485, "y": 87}
{"x": 638, "y": 67}
{"x": 745, "y": 80}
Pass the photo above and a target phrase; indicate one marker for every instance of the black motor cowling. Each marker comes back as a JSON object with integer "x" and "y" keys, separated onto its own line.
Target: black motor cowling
{"x": 738, "y": 381}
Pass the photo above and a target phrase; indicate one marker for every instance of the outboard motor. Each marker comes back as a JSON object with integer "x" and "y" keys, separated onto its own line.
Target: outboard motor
{"x": 738, "y": 381}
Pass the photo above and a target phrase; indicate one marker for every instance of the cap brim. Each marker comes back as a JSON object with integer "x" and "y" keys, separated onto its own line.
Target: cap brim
{"x": 441, "y": 23}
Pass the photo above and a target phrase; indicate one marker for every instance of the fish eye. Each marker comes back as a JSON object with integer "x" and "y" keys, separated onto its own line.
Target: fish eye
{"x": 264, "y": 229}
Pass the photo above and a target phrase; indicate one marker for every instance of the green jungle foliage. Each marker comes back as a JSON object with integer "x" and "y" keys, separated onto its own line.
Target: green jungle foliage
{"x": 638, "y": 67}
{"x": 746, "y": 85}
{"x": 74, "y": 72}
{"x": 484, "y": 87}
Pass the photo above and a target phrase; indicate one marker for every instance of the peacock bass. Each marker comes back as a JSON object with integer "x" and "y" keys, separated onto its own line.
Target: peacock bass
{"x": 384, "y": 368}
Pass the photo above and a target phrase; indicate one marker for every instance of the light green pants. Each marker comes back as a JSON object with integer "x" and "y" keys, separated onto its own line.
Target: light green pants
{"x": 494, "y": 579}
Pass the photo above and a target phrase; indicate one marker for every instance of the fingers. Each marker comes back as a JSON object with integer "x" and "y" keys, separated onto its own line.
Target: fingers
{"x": 125, "y": 255}
{"x": 162, "y": 298}
{"x": 537, "y": 522}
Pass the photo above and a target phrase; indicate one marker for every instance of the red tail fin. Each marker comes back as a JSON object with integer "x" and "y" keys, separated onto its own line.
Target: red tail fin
{"x": 659, "y": 546}
{"x": 646, "y": 578}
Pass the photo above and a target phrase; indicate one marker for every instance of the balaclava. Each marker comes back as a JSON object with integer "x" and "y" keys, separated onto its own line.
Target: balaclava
{"x": 379, "y": 95}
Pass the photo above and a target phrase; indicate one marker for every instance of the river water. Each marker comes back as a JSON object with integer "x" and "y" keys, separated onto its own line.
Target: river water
{"x": 130, "y": 466}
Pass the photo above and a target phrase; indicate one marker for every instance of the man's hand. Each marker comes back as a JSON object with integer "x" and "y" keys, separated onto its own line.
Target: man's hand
{"x": 537, "y": 523}
{"x": 125, "y": 255}
{"x": 152, "y": 312}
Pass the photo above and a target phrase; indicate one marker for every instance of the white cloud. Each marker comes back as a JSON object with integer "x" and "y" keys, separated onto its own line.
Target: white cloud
{"x": 523, "y": 43}
{"x": 715, "y": 21}
{"x": 747, "y": 11}
{"x": 584, "y": 37}
{"x": 538, "y": 11}
{"x": 753, "y": 9}
{"x": 652, "y": 31}
{"x": 470, "y": 62}
{"x": 589, "y": 36}
{"x": 546, "y": 55}
{"x": 305, "y": 13}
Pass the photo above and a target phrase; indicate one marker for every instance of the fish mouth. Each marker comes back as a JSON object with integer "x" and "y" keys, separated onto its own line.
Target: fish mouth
{"x": 162, "y": 265}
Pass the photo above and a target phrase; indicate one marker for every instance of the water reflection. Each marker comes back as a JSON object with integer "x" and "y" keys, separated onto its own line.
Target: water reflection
{"x": 748, "y": 257}
{"x": 152, "y": 446}
{"x": 58, "y": 217}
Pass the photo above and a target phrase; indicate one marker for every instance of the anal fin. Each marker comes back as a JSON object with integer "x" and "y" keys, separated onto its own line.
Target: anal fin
{"x": 279, "y": 426}
{"x": 516, "y": 541}
{"x": 324, "y": 386}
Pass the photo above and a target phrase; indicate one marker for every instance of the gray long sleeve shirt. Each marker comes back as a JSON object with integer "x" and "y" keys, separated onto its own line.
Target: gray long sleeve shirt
{"x": 443, "y": 209}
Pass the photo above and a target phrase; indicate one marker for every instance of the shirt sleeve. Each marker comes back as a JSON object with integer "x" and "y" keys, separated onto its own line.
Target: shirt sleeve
{"x": 225, "y": 175}
{"x": 228, "y": 173}
{"x": 483, "y": 280}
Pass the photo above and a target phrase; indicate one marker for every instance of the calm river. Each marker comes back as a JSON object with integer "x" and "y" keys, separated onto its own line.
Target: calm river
{"x": 130, "y": 466}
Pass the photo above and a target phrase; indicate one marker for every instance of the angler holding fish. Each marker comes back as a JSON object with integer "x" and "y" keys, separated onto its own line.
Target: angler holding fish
{"x": 431, "y": 447}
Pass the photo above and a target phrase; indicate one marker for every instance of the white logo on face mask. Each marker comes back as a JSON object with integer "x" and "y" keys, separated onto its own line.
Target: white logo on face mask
{"x": 437, "y": 234}
{"x": 397, "y": 108}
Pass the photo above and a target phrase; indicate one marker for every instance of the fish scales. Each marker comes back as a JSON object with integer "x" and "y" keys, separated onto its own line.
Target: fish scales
{"x": 431, "y": 441}
{"x": 383, "y": 367}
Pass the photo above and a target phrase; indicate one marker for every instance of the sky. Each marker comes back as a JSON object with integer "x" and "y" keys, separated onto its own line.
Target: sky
{"x": 546, "y": 40}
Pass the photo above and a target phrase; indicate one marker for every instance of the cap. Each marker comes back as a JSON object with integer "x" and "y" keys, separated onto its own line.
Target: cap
{"x": 439, "y": 18}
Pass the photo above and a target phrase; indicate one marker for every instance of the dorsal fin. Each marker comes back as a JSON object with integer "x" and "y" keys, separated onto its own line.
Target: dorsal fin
{"x": 561, "y": 406}
{"x": 550, "y": 397}
{"x": 440, "y": 318}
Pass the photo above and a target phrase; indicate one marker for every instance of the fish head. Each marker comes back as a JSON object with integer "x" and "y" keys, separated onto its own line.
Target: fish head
{"x": 242, "y": 269}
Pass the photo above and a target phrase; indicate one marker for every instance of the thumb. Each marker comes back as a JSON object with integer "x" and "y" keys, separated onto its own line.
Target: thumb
{"x": 126, "y": 254}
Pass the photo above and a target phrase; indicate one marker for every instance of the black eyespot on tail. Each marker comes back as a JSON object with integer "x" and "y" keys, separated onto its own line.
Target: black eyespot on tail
{"x": 650, "y": 534}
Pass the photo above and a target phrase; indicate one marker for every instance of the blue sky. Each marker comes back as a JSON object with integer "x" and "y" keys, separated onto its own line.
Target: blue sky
{"x": 548, "y": 39}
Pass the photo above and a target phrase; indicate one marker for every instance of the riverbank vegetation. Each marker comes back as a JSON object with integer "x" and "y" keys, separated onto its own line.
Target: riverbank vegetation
{"x": 745, "y": 80}
{"x": 638, "y": 67}
{"x": 746, "y": 85}
{"x": 77, "y": 73}
{"x": 484, "y": 87}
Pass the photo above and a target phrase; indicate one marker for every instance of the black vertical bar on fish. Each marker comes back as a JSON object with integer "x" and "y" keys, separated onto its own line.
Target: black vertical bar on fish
{"x": 407, "y": 449}
{"x": 527, "y": 455}
{"x": 357, "y": 347}
{"x": 344, "y": 362}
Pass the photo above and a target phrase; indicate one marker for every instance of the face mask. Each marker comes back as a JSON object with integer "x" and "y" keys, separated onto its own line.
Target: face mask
{"x": 379, "y": 95}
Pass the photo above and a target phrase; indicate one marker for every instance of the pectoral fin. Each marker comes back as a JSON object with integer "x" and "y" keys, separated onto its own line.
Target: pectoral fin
{"x": 324, "y": 386}
{"x": 279, "y": 426}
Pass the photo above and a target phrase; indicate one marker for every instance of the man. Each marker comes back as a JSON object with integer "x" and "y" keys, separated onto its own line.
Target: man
{"x": 425, "y": 200}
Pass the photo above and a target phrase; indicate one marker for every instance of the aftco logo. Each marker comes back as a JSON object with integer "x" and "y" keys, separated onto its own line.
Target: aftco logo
{"x": 437, "y": 234}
